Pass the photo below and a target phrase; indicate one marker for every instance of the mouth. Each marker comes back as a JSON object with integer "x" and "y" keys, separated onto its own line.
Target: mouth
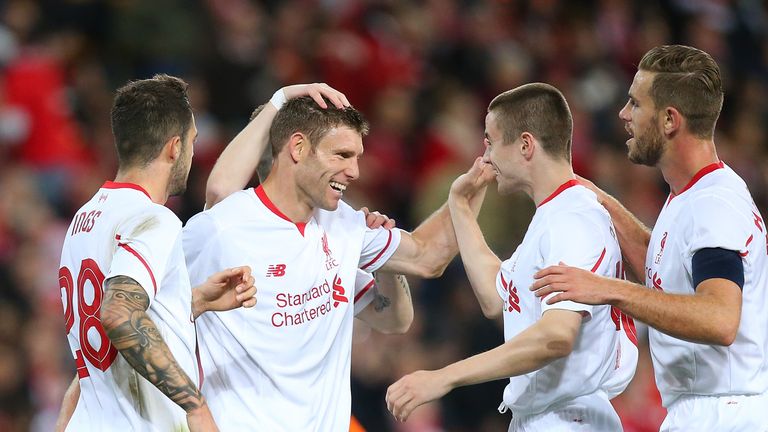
{"x": 629, "y": 131}
{"x": 338, "y": 187}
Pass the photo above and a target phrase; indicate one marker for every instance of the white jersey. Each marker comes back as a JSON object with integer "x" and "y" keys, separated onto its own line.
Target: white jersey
{"x": 714, "y": 211}
{"x": 283, "y": 365}
{"x": 571, "y": 227}
{"x": 121, "y": 232}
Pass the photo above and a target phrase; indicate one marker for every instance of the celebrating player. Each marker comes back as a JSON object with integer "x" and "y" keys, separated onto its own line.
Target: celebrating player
{"x": 125, "y": 287}
{"x": 284, "y": 365}
{"x": 704, "y": 264}
{"x": 566, "y": 360}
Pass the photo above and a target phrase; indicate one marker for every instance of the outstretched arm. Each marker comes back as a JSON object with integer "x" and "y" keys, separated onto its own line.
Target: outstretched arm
{"x": 428, "y": 250}
{"x": 237, "y": 163}
{"x": 480, "y": 263}
{"x": 633, "y": 235}
{"x": 391, "y": 311}
{"x": 68, "y": 405}
{"x": 711, "y": 315}
{"x": 550, "y": 338}
{"x": 134, "y": 334}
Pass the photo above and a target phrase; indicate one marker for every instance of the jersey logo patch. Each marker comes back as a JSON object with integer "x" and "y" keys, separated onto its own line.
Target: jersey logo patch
{"x": 330, "y": 262}
{"x": 338, "y": 292}
{"x": 661, "y": 251}
{"x": 276, "y": 270}
{"x": 513, "y": 301}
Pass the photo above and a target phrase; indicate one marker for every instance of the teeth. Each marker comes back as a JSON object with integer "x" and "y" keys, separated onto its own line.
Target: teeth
{"x": 338, "y": 186}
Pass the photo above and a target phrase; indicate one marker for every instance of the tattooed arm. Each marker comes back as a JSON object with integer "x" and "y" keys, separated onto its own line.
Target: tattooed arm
{"x": 391, "y": 311}
{"x": 131, "y": 330}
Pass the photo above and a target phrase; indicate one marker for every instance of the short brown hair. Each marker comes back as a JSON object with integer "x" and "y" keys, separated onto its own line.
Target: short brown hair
{"x": 304, "y": 115}
{"x": 145, "y": 114}
{"x": 687, "y": 79}
{"x": 539, "y": 109}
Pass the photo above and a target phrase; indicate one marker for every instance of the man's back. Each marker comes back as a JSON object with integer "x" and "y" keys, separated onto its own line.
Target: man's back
{"x": 120, "y": 231}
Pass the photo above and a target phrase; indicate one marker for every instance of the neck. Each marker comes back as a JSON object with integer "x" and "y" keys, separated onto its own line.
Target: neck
{"x": 154, "y": 182}
{"x": 280, "y": 187}
{"x": 547, "y": 177}
{"x": 684, "y": 158}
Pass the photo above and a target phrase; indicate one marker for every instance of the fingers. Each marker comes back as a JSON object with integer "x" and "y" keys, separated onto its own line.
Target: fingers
{"x": 375, "y": 219}
{"x": 397, "y": 400}
{"x": 390, "y": 223}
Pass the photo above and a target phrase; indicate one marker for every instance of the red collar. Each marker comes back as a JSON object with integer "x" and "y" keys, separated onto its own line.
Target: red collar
{"x": 273, "y": 208}
{"x": 116, "y": 185}
{"x": 702, "y": 172}
{"x": 561, "y": 188}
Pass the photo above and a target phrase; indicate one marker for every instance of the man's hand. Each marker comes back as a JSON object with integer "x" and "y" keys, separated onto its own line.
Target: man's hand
{"x": 414, "y": 390}
{"x": 572, "y": 283}
{"x": 225, "y": 290}
{"x": 317, "y": 91}
{"x": 475, "y": 180}
{"x": 375, "y": 219}
{"x": 601, "y": 195}
{"x": 201, "y": 420}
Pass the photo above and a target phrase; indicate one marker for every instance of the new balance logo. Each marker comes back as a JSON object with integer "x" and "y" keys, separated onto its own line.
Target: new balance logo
{"x": 276, "y": 270}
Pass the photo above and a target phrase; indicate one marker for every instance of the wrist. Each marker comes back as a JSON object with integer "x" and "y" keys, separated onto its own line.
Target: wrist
{"x": 278, "y": 99}
{"x": 198, "y": 306}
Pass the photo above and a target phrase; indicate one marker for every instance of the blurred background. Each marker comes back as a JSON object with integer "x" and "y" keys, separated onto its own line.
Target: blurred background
{"x": 423, "y": 72}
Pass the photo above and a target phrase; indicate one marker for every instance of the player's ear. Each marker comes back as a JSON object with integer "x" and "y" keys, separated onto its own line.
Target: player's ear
{"x": 527, "y": 145}
{"x": 298, "y": 146}
{"x": 672, "y": 121}
{"x": 172, "y": 148}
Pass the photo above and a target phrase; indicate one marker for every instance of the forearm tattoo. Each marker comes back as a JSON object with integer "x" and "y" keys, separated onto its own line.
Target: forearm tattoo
{"x": 137, "y": 338}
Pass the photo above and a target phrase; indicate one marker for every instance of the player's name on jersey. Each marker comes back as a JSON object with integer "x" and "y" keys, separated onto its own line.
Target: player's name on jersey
{"x": 333, "y": 295}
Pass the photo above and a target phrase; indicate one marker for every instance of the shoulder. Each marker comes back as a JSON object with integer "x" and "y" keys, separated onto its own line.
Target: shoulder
{"x": 344, "y": 216}
{"x": 151, "y": 217}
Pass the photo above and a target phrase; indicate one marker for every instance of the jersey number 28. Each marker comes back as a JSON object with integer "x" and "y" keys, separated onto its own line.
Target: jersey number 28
{"x": 90, "y": 331}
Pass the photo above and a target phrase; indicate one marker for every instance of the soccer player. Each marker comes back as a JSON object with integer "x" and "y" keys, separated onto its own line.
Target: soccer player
{"x": 128, "y": 304}
{"x": 285, "y": 364}
{"x": 564, "y": 362}
{"x": 704, "y": 264}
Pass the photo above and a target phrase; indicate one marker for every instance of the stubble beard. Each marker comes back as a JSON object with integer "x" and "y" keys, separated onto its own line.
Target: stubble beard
{"x": 648, "y": 147}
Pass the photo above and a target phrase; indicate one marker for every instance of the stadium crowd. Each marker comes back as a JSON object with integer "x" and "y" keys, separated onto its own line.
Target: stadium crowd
{"x": 421, "y": 70}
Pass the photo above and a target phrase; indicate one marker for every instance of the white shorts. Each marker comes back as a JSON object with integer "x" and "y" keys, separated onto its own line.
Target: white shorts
{"x": 593, "y": 413}
{"x": 718, "y": 413}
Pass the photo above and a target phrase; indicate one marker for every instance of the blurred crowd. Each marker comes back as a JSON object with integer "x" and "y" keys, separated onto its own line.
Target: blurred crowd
{"x": 423, "y": 72}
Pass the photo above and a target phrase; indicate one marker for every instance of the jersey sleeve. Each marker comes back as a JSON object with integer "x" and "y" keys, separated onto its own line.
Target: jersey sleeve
{"x": 201, "y": 247}
{"x": 716, "y": 223}
{"x": 143, "y": 247}
{"x": 576, "y": 241}
{"x": 378, "y": 246}
{"x": 364, "y": 290}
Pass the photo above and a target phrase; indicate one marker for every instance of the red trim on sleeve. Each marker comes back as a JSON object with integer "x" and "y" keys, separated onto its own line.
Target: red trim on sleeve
{"x": 141, "y": 258}
{"x": 364, "y": 290}
{"x": 696, "y": 177}
{"x": 116, "y": 185}
{"x": 599, "y": 260}
{"x": 561, "y": 188}
{"x": 386, "y": 246}
{"x": 273, "y": 208}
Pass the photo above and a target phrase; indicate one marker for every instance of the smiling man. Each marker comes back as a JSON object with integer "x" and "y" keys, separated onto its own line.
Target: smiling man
{"x": 286, "y": 366}
{"x": 564, "y": 362}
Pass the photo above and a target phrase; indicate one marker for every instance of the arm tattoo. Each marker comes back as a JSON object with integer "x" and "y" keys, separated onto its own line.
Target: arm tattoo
{"x": 403, "y": 282}
{"x": 135, "y": 335}
{"x": 380, "y": 302}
